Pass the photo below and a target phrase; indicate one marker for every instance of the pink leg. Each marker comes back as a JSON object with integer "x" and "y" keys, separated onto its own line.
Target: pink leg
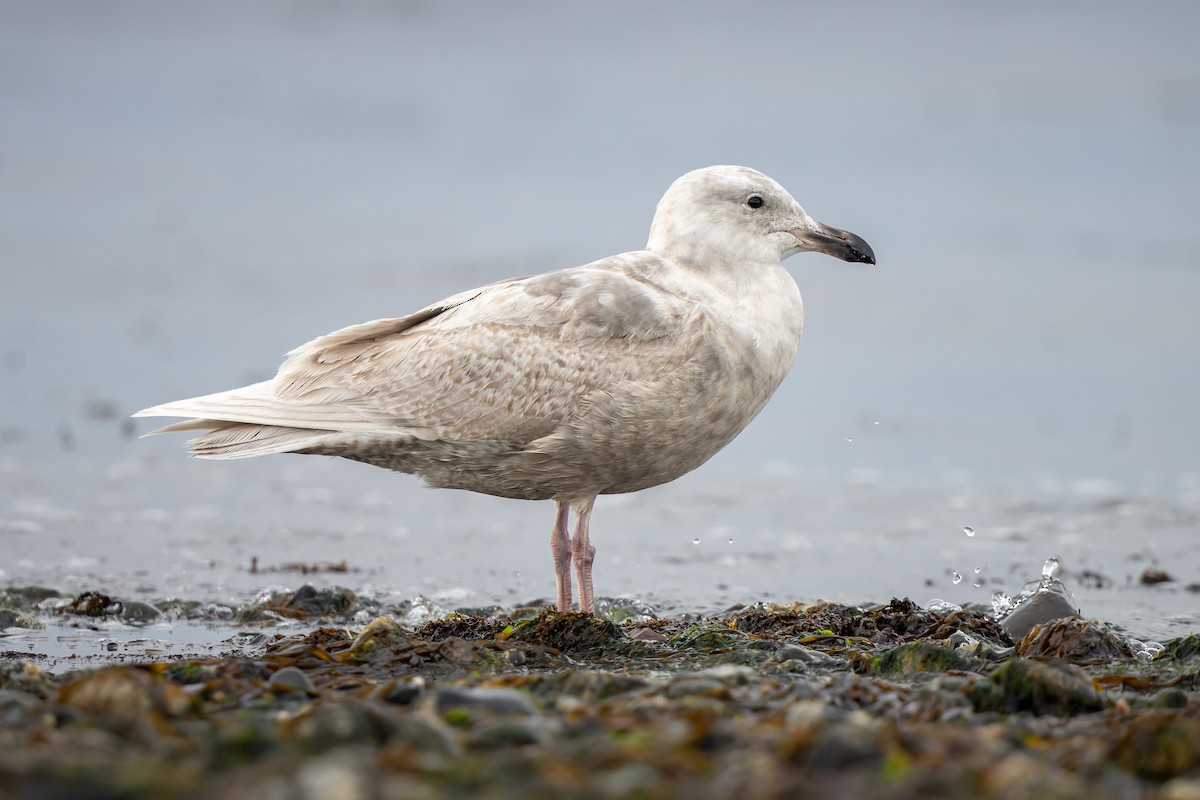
{"x": 582, "y": 553}
{"x": 560, "y": 550}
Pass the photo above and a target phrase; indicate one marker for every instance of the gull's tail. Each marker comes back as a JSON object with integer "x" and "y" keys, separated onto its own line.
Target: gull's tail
{"x": 245, "y": 422}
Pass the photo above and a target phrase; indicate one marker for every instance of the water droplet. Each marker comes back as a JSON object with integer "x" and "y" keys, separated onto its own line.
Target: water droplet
{"x": 1145, "y": 651}
{"x": 955, "y": 577}
{"x": 876, "y": 422}
{"x": 1050, "y": 567}
{"x": 849, "y": 438}
{"x": 942, "y": 606}
{"x": 1153, "y": 648}
{"x": 731, "y": 541}
{"x": 1001, "y": 603}
{"x": 696, "y": 540}
{"x": 968, "y": 530}
{"x": 978, "y": 570}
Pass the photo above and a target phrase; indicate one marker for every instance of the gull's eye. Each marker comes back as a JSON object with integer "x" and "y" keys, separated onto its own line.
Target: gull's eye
{"x": 755, "y": 201}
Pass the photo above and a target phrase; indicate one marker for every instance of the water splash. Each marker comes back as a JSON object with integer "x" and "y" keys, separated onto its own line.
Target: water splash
{"x": 1002, "y": 604}
{"x": 421, "y": 609}
{"x": 939, "y": 606}
{"x": 955, "y": 577}
{"x": 625, "y": 609}
{"x": 265, "y": 596}
{"x": 1145, "y": 651}
{"x": 1050, "y": 569}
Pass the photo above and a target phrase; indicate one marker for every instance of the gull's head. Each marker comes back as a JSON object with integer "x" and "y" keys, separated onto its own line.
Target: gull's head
{"x": 731, "y": 214}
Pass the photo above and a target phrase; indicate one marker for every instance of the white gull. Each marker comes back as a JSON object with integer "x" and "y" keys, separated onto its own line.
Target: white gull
{"x": 611, "y": 377}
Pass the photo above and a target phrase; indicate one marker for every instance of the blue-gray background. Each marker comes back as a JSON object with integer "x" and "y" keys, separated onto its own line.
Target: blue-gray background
{"x": 189, "y": 190}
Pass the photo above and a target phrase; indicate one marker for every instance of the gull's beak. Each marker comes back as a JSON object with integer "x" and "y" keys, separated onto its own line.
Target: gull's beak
{"x": 835, "y": 242}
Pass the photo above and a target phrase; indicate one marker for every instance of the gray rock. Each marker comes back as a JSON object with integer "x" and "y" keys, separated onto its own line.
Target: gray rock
{"x": 1052, "y": 601}
{"x": 290, "y": 679}
{"x": 311, "y": 601}
{"x": 136, "y": 612}
{"x": 803, "y": 655}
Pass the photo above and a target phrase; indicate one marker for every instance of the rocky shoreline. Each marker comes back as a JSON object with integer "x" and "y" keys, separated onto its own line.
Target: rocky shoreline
{"x": 819, "y": 699}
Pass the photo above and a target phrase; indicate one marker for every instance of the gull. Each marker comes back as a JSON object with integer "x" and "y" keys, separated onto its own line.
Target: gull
{"x": 612, "y": 377}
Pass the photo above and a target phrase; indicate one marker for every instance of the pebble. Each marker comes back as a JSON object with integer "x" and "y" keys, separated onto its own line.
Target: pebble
{"x": 803, "y": 655}
{"x": 290, "y": 679}
{"x": 137, "y": 612}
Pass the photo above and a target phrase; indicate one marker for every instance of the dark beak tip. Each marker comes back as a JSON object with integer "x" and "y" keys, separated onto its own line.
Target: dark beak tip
{"x": 860, "y": 251}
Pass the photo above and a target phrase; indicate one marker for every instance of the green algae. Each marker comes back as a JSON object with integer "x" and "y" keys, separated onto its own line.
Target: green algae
{"x": 1185, "y": 648}
{"x": 1051, "y": 687}
{"x": 909, "y": 659}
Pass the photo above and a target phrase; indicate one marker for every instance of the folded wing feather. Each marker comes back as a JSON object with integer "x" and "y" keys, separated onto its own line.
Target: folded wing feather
{"x": 508, "y": 362}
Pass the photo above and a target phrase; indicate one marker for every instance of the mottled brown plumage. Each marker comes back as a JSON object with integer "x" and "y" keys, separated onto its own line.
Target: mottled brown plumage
{"x": 612, "y": 377}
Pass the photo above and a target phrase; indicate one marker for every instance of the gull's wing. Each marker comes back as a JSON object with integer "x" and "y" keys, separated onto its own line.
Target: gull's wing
{"x": 504, "y": 363}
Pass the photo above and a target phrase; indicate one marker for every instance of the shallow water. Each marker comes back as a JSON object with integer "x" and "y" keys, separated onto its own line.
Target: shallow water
{"x": 152, "y": 526}
{"x": 79, "y": 645}
{"x": 192, "y": 193}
